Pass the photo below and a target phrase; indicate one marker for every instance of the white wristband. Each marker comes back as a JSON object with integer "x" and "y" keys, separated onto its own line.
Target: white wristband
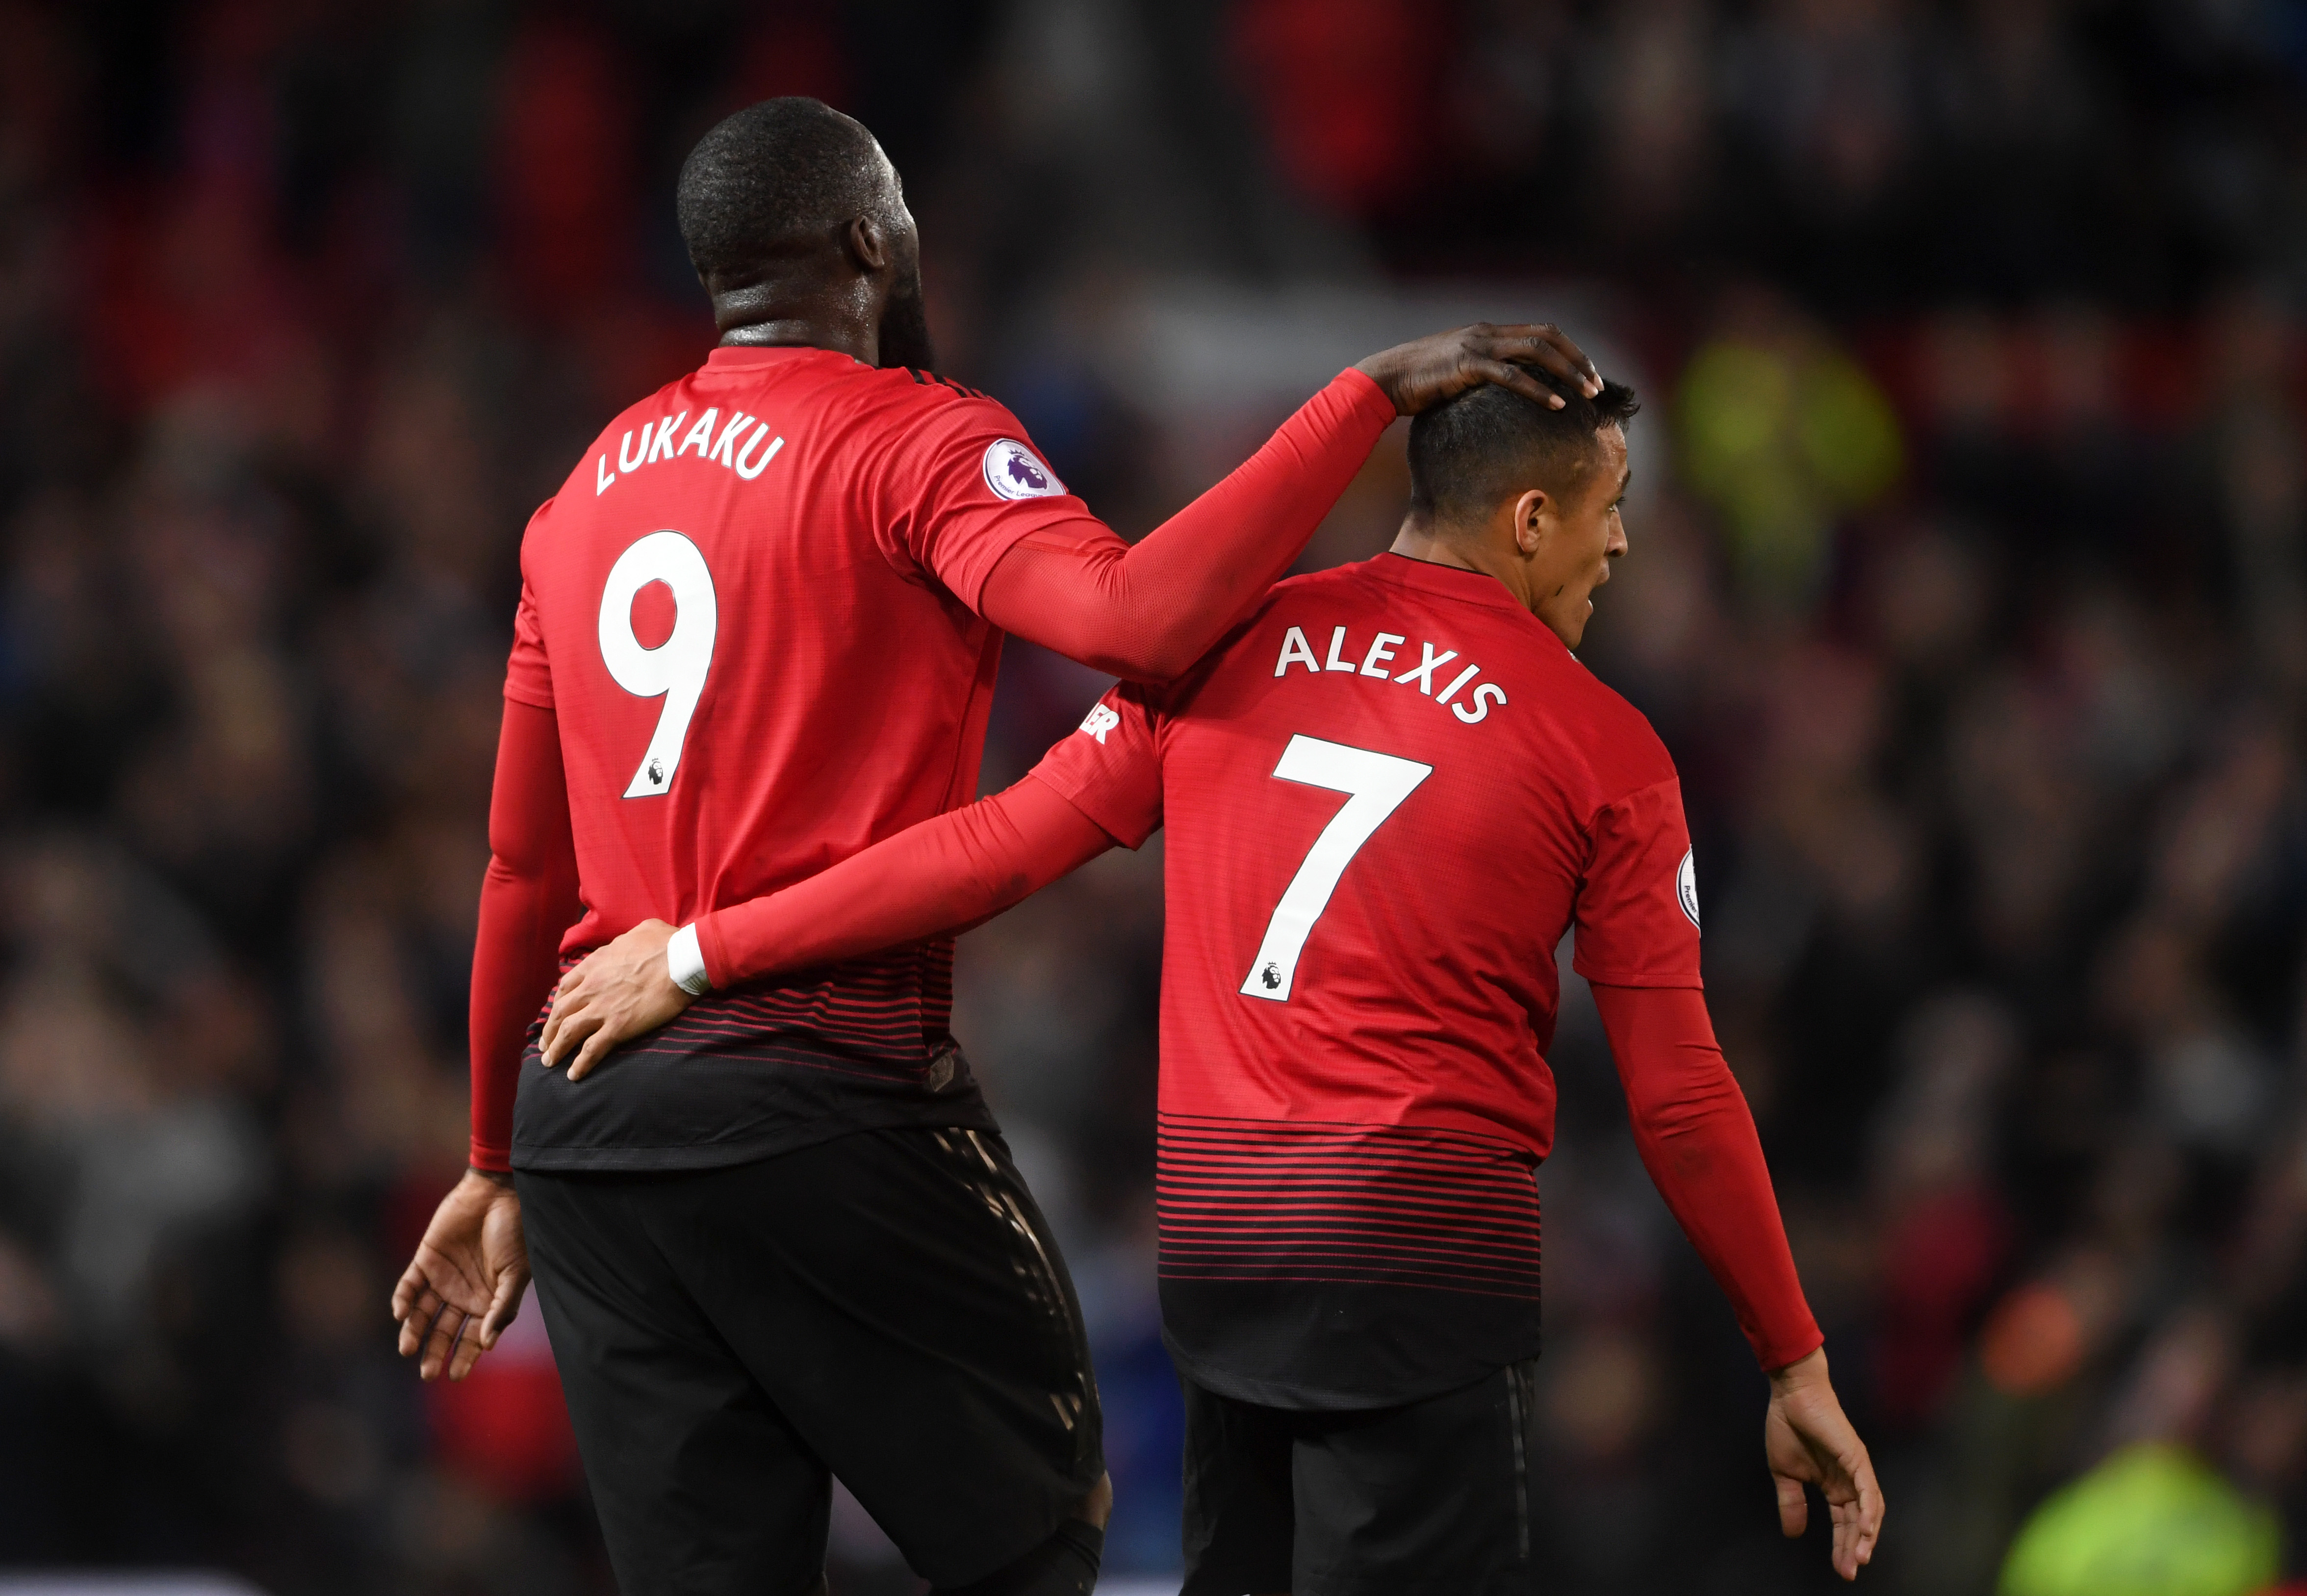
{"x": 684, "y": 961}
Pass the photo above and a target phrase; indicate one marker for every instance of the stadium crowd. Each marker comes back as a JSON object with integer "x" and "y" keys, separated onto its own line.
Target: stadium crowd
{"x": 1969, "y": 588}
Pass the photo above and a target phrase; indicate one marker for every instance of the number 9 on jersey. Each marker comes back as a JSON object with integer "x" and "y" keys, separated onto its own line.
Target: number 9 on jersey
{"x": 675, "y": 669}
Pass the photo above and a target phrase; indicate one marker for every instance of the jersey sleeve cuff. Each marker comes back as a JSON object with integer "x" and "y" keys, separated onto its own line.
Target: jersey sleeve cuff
{"x": 710, "y": 949}
{"x": 497, "y": 1161}
{"x": 1776, "y": 1354}
{"x": 523, "y": 692}
{"x": 1360, "y": 390}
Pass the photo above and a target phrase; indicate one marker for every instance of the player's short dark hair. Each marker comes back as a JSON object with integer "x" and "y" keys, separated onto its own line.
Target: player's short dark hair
{"x": 1470, "y": 452}
{"x": 779, "y": 174}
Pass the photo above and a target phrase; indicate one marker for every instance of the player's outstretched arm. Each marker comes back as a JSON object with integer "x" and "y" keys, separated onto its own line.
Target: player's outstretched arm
{"x": 1697, "y": 1139}
{"x": 465, "y": 1284}
{"x": 1146, "y": 611}
{"x": 1809, "y": 1442}
{"x": 943, "y": 875}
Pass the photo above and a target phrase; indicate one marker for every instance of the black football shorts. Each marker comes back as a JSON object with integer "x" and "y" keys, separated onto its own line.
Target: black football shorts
{"x": 1430, "y": 1496}
{"x": 888, "y": 1306}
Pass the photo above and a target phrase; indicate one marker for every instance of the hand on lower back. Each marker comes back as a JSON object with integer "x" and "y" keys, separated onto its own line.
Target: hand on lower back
{"x": 618, "y": 992}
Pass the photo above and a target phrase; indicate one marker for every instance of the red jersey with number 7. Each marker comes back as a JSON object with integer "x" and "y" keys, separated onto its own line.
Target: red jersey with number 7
{"x": 751, "y": 609}
{"x": 1387, "y": 798}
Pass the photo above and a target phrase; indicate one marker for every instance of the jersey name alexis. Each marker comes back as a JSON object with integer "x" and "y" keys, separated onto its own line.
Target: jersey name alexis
{"x": 1382, "y": 654}
{"x": 736, "y": 443}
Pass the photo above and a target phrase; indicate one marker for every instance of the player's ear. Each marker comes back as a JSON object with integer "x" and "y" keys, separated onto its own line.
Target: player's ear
{"x": 1530, "y": 512}
{"x": 868, "y": 243}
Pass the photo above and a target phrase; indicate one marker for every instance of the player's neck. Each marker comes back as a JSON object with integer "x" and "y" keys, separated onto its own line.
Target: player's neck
{"x": 1418, "y": 540}
{"x": 794, "y": 332}
{"x": 784, "y": 314}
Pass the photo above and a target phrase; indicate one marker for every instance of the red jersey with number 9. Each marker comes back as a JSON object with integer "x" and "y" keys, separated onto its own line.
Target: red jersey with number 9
{"x": 752, "y": 611}
{"x": 1386, "y": 798}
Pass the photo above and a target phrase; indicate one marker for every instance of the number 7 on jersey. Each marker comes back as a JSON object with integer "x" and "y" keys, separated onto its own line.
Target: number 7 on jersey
{"x": 1375, "y": 785}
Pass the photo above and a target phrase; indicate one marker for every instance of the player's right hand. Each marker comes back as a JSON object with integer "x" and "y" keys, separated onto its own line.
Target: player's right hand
{"x": 465, "y": 1284}
{"x": 1418, "y": 375}
{"x": 1808, "y": 1441}
{"x": 614, "y": 994}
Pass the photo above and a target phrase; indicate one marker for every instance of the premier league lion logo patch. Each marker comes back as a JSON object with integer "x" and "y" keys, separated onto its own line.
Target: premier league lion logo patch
{"x": 1013, "y": 472}
{"x": 1686, "y": 884}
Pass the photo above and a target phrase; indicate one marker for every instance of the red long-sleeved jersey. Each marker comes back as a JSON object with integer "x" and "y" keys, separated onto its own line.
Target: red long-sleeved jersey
{"x": 1385, "y": 799}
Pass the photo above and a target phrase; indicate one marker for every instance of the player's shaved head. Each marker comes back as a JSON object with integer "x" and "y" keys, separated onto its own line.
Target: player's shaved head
{"x": 1491, "y": 444}
{"x": 784, "y": 206}
{"x": 778, "y": 179}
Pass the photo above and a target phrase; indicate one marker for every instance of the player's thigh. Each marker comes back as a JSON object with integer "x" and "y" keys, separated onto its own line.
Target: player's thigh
{"x": 1238, "y": 1512}
{"x": 702, "y": 1487}
{"x": 1432, "y": 1496}
{"x": 936, "y": 1358}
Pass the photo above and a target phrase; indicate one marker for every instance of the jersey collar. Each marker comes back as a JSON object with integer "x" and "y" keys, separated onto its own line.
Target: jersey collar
{"x": 724, "y": 356}
{"x": 1452, "y": 581}
{"x": 1456, "y": 582}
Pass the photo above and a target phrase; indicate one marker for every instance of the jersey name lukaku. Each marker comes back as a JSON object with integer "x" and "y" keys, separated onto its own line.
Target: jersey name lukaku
{"x": 1387, "y": 797}
{"x": 751, "y": 610}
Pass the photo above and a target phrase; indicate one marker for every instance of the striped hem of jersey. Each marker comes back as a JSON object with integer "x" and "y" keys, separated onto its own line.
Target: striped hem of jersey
{"x": 1290, "y": 1200}
{"x": 882, "y": 1018}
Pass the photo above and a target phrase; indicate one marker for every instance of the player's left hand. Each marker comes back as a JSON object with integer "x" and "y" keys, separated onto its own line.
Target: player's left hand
{"x": 1809, "y": 1442}
{"x": 614, "y": 994}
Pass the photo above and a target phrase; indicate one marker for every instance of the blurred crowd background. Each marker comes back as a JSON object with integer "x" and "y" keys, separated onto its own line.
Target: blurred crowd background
{"x": 1968, "y": 587}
